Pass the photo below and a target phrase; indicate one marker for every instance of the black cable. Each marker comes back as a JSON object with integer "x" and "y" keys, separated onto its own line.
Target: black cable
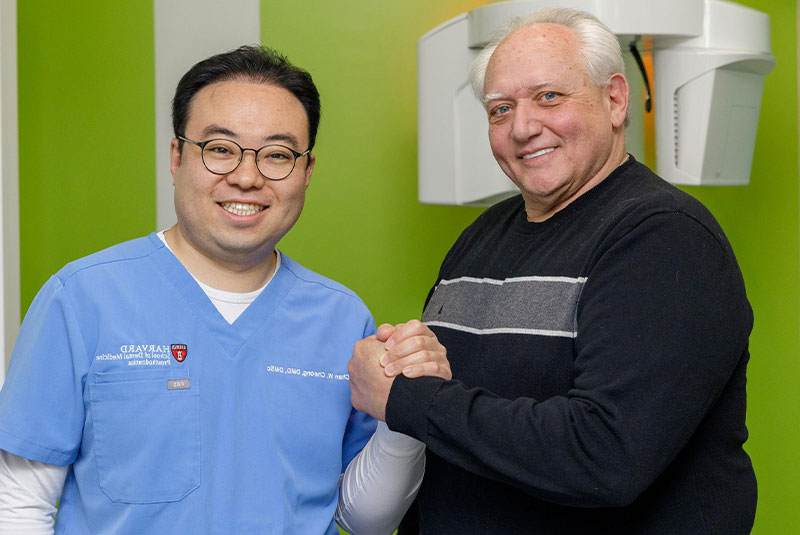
{"x": 648, "y": 103}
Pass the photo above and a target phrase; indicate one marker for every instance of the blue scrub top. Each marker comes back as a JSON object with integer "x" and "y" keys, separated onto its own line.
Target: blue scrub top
{"x": 175, "y": 421}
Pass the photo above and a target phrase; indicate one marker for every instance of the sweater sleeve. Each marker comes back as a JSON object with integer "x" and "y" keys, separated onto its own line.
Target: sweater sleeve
{"x": 662, "y": 324}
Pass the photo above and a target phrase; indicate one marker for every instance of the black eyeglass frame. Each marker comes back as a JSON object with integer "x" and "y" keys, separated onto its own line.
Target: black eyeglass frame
{"x": 202, "y": 145}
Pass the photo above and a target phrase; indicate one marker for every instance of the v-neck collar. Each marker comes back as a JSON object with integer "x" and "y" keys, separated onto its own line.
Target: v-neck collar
{"x": 230, "y": 336}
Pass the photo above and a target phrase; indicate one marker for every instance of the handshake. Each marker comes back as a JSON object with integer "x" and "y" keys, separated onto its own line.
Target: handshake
{"x": 409, "y": 348}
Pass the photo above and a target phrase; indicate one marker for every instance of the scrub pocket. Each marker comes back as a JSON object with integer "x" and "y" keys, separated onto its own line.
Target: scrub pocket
{"x": 146, "y": 437}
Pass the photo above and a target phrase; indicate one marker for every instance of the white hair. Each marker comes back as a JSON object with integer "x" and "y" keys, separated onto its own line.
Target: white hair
{"x": 600, "y": 50}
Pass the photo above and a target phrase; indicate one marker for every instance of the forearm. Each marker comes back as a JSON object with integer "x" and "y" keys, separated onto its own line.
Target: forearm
{"x": 29, "y": 492}
{"x": 379, "y": 485}
{"x": 561, "y": 450}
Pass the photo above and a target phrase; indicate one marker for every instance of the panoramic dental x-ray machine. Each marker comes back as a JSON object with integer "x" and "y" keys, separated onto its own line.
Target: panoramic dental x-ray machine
{"x": 709, "y": 61}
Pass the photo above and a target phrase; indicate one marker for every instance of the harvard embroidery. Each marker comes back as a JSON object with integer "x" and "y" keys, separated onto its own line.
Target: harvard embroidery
{"x": 179, "y": 351}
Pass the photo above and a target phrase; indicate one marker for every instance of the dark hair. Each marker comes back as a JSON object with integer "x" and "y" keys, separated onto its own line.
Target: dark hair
{"x": 250, "y": 62}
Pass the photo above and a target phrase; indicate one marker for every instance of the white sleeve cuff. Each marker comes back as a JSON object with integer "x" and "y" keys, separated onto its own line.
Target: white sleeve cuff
{"x": 380, "y": 483}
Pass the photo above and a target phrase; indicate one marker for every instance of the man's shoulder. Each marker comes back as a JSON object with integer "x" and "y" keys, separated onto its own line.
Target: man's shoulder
{"x": 126, "y": 251}
{"x": 644, "y": 193}
{"x": 313, "y": 280}
{"x": 502, "y": 213}
{"x": 505, "y": 208}
{"x": 637, "y": 200}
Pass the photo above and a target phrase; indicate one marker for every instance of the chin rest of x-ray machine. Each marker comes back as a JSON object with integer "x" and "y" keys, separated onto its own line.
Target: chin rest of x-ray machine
{"x": 709, "y": 61}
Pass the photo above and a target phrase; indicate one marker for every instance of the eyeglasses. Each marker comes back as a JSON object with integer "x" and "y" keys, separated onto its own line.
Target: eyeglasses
{"x": 223, "y": 156}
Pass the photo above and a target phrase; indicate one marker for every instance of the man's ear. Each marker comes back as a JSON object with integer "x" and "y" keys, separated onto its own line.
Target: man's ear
{"x": 174, "y": 158}
{"x": 618, "y": 93}
{"x": 310, "y": 167}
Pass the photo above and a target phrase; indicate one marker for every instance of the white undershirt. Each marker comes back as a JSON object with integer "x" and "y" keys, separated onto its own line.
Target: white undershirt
{"x": 374, "y": 492}
{"x": 230, "y": 304}
{"x": 29, "y": 492}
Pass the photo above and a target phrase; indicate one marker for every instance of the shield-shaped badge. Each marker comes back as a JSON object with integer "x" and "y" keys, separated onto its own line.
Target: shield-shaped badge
{"x": 179, "y": 351}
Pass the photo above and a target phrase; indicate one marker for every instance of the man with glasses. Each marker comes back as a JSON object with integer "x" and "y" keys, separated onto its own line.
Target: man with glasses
{"x": 195, "y": 380}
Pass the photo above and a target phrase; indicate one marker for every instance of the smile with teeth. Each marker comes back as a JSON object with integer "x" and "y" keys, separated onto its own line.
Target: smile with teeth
{"x": 538, "y": 153}
{"x": 240, "y": 208}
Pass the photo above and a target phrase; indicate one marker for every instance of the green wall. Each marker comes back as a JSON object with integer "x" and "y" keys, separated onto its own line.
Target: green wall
{"x": 86, "y": 130}
{"x": 762, "y": 222}
{"x": 362, "y": 224}
{"x": 87, "y": 167}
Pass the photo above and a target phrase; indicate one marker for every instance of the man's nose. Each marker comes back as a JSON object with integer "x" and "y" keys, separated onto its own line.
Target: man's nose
{"x": 246, "y": 175}
{"x": 526, "y": 122}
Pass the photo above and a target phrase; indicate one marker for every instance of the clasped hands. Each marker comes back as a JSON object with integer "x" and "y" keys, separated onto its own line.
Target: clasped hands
{"x": 409, "y": 348}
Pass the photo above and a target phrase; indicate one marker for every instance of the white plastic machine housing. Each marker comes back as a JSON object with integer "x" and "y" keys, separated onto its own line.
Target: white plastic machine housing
{"x": 709, "y": 56}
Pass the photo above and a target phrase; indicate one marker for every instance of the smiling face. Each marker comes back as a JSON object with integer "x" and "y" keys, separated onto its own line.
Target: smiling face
{"x": 553, "y": 132}
{"x": 235, "y": 220}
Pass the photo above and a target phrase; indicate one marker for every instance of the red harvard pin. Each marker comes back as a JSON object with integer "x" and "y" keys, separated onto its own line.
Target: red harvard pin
{"x": 179, "y": 351}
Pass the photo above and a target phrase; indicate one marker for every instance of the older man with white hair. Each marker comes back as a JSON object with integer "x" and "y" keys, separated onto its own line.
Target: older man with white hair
{"x": 596, "y": 325}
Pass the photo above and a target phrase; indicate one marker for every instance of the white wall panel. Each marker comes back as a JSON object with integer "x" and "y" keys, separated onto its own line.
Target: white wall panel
{"x": 187, "y": 31}
{"x": 9, "y": 177}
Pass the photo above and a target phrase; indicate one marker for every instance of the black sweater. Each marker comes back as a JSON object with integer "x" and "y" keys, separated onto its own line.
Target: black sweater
{"x": 598, "y": 365}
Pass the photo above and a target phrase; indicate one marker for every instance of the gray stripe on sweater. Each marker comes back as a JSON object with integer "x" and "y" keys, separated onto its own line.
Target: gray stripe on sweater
{"x": 542, "y": 306}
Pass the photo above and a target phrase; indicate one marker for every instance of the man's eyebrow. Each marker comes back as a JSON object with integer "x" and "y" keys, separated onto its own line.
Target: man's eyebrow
{"x": 492, "y": 96}
{"x": 213, "y": 130}
{"x": 217, "y": 130}
{"x": 531, "y": 88}
{"x": 283, "y": 136}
